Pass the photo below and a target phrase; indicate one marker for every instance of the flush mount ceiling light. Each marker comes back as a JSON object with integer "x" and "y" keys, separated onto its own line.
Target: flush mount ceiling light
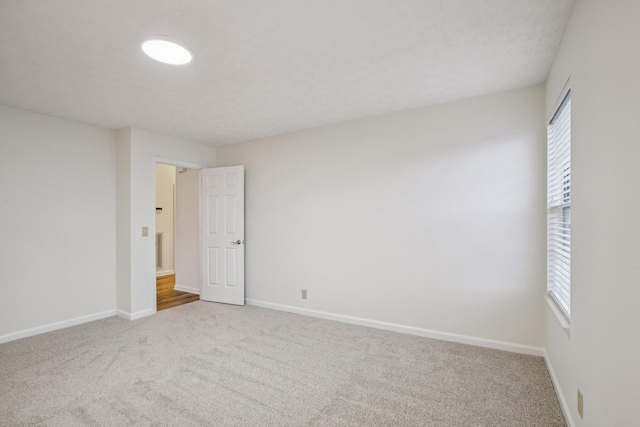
{"x": 165, "y": 50}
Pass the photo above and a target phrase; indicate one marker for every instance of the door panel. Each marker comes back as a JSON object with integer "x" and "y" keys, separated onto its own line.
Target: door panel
{"x": 222, "y": 195}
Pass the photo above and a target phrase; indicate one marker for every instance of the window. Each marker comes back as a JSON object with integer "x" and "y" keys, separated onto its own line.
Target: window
{"x": 559, "y": 207}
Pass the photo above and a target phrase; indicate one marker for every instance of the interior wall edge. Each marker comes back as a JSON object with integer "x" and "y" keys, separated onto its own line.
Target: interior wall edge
{"x": 189, "y": 289}
{"x": 137, "y": 315}
{"x": 25, "y": 333}
{"x": 405, "y": 329}
{"x": 558, "y": 389}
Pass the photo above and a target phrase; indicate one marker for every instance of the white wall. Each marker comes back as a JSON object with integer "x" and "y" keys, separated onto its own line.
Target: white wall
{"x": 165, "y": 189}
{"x": 431, "y": 218}
{"x": 188, "y": 231}
{"x": 57, "y": 222}
{"x": 600, "y": 356}
{"x": 123, "y": 220}
{"x": 139, "y": 151}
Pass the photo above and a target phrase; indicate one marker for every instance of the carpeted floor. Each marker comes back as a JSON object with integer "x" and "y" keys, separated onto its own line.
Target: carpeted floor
{"x": 214, "y": 364}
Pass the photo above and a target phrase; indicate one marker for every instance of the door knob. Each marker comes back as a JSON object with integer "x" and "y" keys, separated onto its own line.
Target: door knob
{"x": 237, "y": 242}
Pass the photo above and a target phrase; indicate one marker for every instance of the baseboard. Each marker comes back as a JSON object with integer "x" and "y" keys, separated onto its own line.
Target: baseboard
{"x": 187, "y": 289}
{"x": 160, "y": 273}
{"x": 136, "y": 315}
{"x": 411, "y": 330}
{"x": 55, "y": 326}
{"x": 556, "y": 385}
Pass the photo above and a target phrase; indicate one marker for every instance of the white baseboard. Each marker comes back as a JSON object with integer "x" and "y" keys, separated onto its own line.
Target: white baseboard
{"x": 137, "y": 314}
{"x": 411, "y": 330}
{"x": 189, "y": 289}
{"x": 556, "y": 385}
{"x": 160, "y": 273}
{"x": 56, "y": 325}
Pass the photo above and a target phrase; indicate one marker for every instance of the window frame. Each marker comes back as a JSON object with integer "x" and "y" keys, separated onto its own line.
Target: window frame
{"x": 559, "y": 207}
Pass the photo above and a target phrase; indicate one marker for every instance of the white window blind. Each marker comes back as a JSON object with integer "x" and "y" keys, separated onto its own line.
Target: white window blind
{"x": 559, "y": 207}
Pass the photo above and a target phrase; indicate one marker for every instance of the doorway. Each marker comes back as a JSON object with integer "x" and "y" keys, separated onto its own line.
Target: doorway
{"x": 176, "y": 238}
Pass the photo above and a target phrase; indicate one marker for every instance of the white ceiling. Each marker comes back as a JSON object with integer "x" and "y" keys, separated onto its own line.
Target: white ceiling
{"x": 265, "y": 68}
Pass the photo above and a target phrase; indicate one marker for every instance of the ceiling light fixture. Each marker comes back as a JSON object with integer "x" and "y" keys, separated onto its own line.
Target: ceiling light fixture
{"x": 166, "y": 50}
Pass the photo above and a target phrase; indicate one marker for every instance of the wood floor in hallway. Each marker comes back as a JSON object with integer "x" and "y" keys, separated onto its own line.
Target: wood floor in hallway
{"x": 168, "y": 297}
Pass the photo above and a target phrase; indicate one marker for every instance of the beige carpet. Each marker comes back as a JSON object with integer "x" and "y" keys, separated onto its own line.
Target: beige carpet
{"x": 213, "y": 364}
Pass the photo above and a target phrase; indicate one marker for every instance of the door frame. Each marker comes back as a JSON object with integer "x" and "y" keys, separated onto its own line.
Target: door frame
{"x": 152, "y": 229}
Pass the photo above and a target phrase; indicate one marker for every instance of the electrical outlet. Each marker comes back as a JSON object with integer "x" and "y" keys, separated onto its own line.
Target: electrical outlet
{"x": 304, "y": 294}
{"x": 580, "y": 404}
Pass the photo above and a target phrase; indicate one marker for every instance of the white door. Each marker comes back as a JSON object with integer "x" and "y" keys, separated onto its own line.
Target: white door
{"x": 222, "y": 240}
